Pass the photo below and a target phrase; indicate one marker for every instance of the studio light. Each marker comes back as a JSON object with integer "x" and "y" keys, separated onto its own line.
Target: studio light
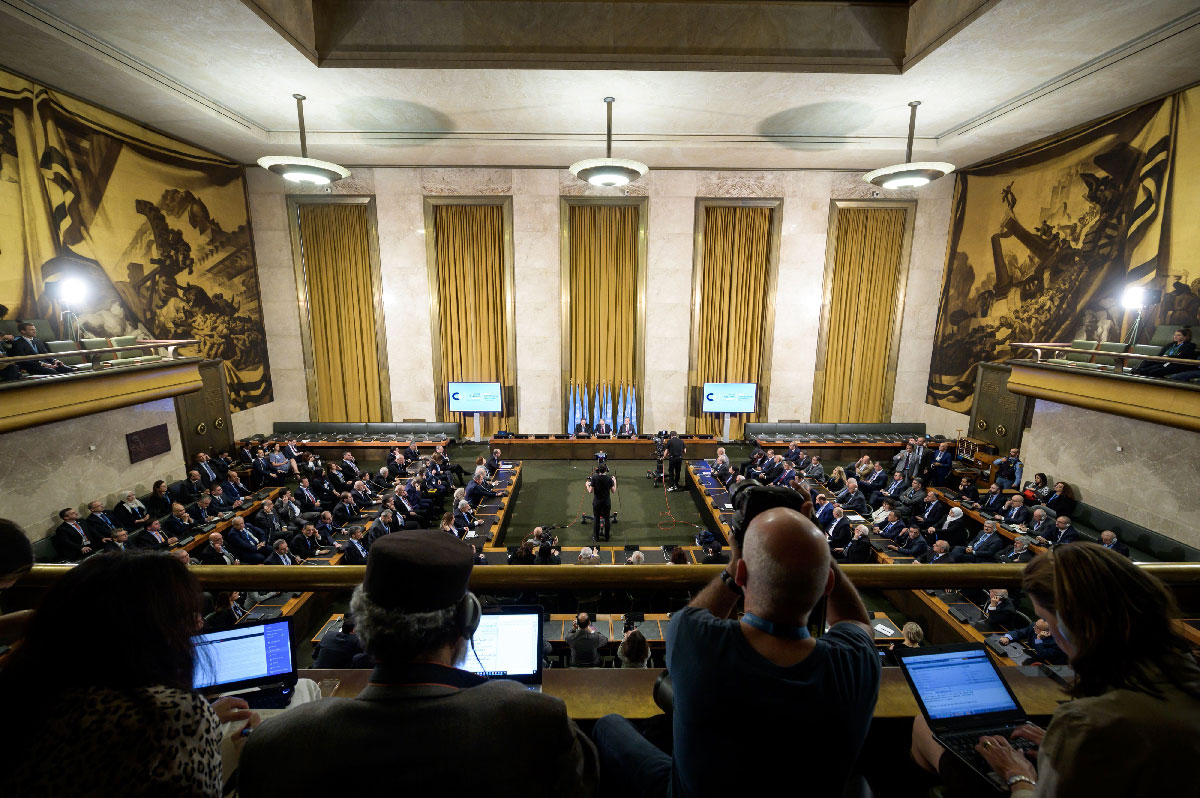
{"x": 909, "y": 174}
{"x": 1134, "y": 297}
{"x": 72, "y": 291}
{"x": 303, "y": 169}
{"x": 609, "y": 171}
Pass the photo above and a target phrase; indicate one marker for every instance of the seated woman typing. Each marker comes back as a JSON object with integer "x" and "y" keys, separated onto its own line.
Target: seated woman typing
{"x": 1134, "y": 726}
{"x": 98, "y": 699}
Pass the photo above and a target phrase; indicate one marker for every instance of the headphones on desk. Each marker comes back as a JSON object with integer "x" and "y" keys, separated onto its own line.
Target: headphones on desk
{"x": 750, "y": 497}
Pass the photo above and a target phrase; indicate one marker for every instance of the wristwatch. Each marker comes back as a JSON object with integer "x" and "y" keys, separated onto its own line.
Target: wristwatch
{"x": 733, "y": 586}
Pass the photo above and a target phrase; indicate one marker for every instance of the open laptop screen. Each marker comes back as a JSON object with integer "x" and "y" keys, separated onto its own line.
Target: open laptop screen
{"x": 244, "y": 656}
{"x": 957, "y": 684}
{"x": 508, "y": 645}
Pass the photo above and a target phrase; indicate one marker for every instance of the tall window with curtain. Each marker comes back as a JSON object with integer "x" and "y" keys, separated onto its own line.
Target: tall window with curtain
{"x": 735, "y": 281}
{"x": 855, "y": 380}
{"x": 472, "y": 296}
{"x": 335, "y": 246}
{"x": 602, "y": 323}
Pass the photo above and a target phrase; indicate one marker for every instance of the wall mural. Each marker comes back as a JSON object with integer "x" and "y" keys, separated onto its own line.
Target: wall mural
{"x": 157, "y": 231}
{"x": 1045, "y": 240}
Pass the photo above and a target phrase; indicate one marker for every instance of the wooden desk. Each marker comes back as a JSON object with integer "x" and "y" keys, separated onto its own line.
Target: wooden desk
{"x": 712, "y": 497}
{"x": 591, "y": 693}
{"x": 568, "y": 448}
{"x": 246, "y": 511}
{"x": 499, "y": 511}
{"x": 974, "y": 515}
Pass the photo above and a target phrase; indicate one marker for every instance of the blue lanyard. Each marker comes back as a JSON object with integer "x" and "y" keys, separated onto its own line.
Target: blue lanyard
{"x": 775, "y": 629}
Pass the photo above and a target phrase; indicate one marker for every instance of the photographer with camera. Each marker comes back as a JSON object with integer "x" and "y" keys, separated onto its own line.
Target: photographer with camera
{"x": 675, "y": 452}
{"x": 750, "y": 674}
{"x": 602, "y": 486}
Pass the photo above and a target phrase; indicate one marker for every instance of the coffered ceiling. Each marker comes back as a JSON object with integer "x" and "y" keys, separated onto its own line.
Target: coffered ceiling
{"x": 991, "y": 75}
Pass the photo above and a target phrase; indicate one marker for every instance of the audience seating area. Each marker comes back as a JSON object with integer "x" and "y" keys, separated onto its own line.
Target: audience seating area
{"x": 834, "y": 433}
{"x": 444, "y": 432}
{"x": 1106, "y": 352}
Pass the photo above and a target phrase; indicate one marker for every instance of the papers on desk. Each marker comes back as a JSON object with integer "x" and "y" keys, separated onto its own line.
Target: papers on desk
{"x": 855, "y": 518}
{"x": 727, "y": 506}
{"x": 885, "y": 630}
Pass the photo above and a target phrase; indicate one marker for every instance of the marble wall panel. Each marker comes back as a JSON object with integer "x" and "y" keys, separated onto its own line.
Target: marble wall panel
{"x": 1143, "y": 482}
{"x": 81, "y": 460}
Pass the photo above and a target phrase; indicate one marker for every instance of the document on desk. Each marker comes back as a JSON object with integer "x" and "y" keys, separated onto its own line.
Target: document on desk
{"x": 885, "y": 630}
{"x": 855, "y": 517}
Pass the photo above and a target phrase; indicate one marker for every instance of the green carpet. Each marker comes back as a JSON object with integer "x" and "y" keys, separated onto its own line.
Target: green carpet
{"x": 553, "y": 492}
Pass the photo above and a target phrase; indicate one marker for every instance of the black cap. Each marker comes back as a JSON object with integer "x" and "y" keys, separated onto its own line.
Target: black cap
{"x": 415, "y": 571}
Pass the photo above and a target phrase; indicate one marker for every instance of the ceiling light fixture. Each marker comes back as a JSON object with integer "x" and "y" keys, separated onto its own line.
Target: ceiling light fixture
{"x": 303, "y": 169}
{"x": 609, "y": 171}
{"x": 908, "y": 174}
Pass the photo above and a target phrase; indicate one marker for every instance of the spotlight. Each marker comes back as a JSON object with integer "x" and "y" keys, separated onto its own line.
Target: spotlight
{"x": 1134, "y": 297}
{"x": 72, "y": 291}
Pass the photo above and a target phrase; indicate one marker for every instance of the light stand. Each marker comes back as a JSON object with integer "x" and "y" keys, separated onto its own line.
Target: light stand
{"x": 1134, "y": 298}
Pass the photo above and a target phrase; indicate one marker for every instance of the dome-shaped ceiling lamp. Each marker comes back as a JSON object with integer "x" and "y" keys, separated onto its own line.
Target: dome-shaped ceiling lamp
{"x": 303, "y": 169}
{"x": 907, "y": 174}
{"x": 609, "y": 171}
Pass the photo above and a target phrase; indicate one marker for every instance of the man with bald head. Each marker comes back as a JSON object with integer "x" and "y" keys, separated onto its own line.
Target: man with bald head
{"x": 791, "y": 703}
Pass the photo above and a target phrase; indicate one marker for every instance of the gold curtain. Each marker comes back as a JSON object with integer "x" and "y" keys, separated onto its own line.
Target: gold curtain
{"x": 604, "y": 292}
{"x": 472, "y": 317}
{"x": 335, "y": 241}
{"x": 855, "y": 383}
{"x": 733, "y": 307}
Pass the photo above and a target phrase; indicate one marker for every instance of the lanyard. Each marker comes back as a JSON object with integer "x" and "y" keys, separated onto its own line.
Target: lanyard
{"x": 775, "y": 629}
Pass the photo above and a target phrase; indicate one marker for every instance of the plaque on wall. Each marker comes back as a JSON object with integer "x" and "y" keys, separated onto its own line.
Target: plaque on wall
{"x": 147, "y": 443}
{"x": 998, "y": 416}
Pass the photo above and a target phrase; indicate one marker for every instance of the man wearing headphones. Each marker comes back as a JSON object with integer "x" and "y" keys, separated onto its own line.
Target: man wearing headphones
{"x": 791, "y": 704}
{"x": 416, "y": 618}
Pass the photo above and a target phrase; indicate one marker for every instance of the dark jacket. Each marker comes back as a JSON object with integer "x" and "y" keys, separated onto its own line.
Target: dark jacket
{"x": 337, "y": 649}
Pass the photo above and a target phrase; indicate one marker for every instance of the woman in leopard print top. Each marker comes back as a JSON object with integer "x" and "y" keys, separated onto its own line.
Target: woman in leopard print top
{"x": 97, "y": 700}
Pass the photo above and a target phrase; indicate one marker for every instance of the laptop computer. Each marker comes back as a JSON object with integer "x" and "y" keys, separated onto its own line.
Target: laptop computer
{"x": 508, "y": 645}
{"x": 248, "y": 656}
{"x": 963, "y": 697}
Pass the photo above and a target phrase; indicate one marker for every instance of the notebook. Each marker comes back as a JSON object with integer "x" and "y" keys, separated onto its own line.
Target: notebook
{"x": 963, "y": 697}
{"x": 508, "y": 645}
{"x": 250, "y": 655}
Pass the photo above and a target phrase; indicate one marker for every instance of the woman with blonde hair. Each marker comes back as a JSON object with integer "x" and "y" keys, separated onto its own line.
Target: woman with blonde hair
{"x": 837, "y": 480}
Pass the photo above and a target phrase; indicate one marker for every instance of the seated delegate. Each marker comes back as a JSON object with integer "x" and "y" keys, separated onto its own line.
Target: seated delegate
{"x": 1134, "y": 726}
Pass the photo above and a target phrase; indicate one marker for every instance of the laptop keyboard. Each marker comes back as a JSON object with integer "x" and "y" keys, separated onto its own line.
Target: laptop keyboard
{"x": 963, "y": 744}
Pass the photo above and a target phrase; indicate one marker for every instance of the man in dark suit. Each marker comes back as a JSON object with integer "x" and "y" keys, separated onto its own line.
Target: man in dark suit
{"x": 852, "y": 498}
{"x": 721, "y": 469}
{"x": 346, "y": 511}
{"x": 1000, "y": 609}
{"x": 27, "y": 343}
{"x": 71, "y": 540}
{"x": 416, "y": 694}
{"x": 967, "y": 490}
{"x": 603, "y": 428}
{"x": 626, "y": 428}
{"x": 281, "y": 555}
{"x": 247, "y": 543}
{"x": 994, "y": 501}
{"x": 264, "y": 472}
{"x": 349, "y": 468}
{"x": 582, "y": 429}
{"x": 208, "y": 474}
{"x": 202, "y": 511}
{"x": 477, "y": 491}
{"x": 912, "y": 497}
{"x": 675, "y": 451}
{"x": 786, "y": 475}
{"x": 214, "y": 552}
{"x": 940, "y": 465}
{"x": 940, "y": 554}
{"x": 986, "y": 546}
{"x": 891, "y": 490}
{"x": 234, "y": 488}
{"x": 178, "y": 524}
{"x": 99, "y": 525}
{"x": 380, "y": 527}
{"x": 118, "y": 542}
{"x": 306, "y": 498}
{"x": 822, "y": 510}
{"x": 892, "y": 526}
{"x": 1108, "y": 539}
{"x": 153, "y": 538}
{"x": 772, "y": 467}
{"x": 190, "y": 489}
{"x": 1020, "y": 551}
{"x": 306, "y": 544}
{"x": 493, "y": 462}
{"x": 1039, "y": 637}
{"x": 1015, "y": 512}
{"x": 355, "y": 552}
{"x": 362, "y": 495}
{"x": 326, "y": 529}
{"x": 874, "y": 481}
{"x": 838, "y": 531}
{"x": 1062, "y": 534}
{"x": 219, "y": 500}
{"x": 858, "y": 550}
{"x": 339, "y": 647}
{"x": 931, "y": 511}
{"x": 911, "y": 545}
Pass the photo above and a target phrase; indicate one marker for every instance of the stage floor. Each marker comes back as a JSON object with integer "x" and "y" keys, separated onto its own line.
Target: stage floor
{"x": 553, "y": 492}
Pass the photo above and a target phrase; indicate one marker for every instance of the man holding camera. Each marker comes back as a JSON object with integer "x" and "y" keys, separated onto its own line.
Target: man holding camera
{"x": 747, "y": 677}
{"x": 675, "y": 452}
{"x": 602, "y": 486}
